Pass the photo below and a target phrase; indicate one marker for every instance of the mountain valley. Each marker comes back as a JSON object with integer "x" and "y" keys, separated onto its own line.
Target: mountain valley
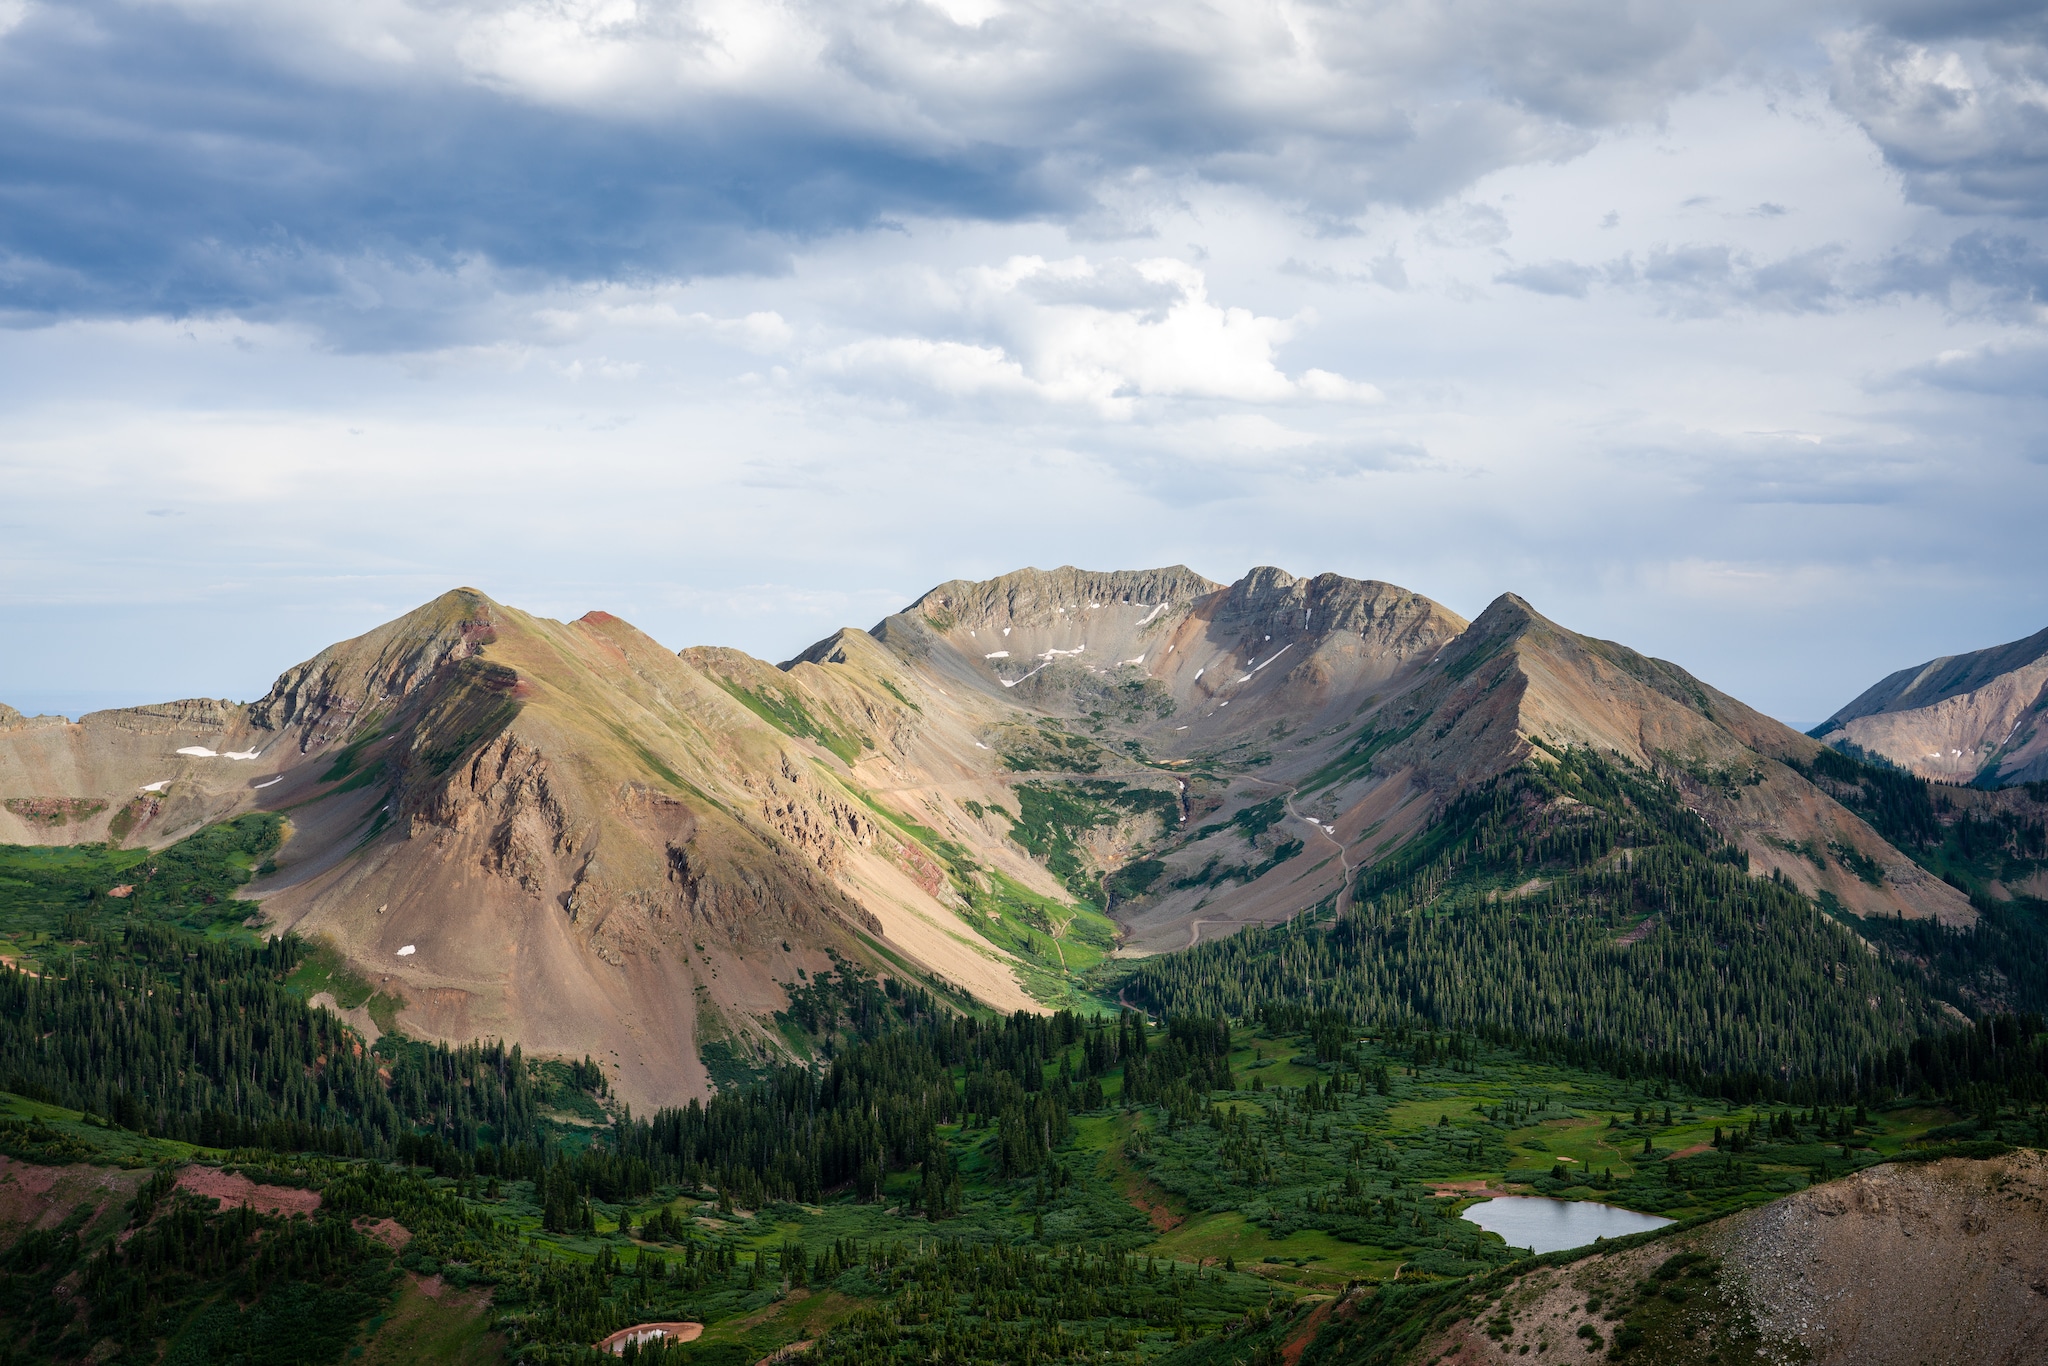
{"x": 1243, "y": 935}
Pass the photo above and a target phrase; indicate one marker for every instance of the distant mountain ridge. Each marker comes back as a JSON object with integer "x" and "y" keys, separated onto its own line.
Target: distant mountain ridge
{"x": 565, "y": 834}
{"x": 1980, "y": 717}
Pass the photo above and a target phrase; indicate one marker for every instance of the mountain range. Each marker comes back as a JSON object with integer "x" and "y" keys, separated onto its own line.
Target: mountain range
{"x": 566, "y": 834}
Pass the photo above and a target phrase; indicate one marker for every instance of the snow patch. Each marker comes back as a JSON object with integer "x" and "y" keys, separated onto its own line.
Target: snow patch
{"x": 1276, "y": 654}
{"x": 199, "y": 752}
{"x": 1153, "y": 613}
{"x": 157, "y": 786}
{"x": 997, "y": 654}
{"x": 408, "y": 951}
{"x": 1139, "y": 660}
{"x": 241, "y": 754}
{"x": 273, "y": 782}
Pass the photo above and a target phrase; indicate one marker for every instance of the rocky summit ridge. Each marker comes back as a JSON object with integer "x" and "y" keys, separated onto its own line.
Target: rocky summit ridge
{"x": 566, "y": 834}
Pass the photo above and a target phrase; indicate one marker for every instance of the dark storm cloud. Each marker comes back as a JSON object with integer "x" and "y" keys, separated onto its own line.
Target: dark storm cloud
{"x": 157, "y": 166}
{"x": 266, "y": 160}
{"x": 1952, "y": 95}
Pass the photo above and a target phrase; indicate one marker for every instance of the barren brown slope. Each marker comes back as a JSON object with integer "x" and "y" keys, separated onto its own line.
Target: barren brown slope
{"x": 1516, "y": 678}
{"x": 118, "y": 774}
{"x": 1308, "y": 724}
{"x": 1977, "y": 717}
{"x": 1923, "y": 1264}
{"x": 557, "y": 833}
{"x": 1225, "y": 696}
{"x": 587, "y": 844}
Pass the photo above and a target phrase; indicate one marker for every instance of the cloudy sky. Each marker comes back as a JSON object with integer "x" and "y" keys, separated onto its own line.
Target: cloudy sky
{"x": 1720, "y": 329}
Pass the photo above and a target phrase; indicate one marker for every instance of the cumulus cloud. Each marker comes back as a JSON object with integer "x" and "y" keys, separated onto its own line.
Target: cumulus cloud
{"x": 1103, "y": 334}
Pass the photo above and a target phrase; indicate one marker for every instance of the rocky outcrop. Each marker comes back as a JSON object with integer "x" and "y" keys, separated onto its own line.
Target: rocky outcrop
{"x": 10, "y": 719}
{"x": 326, "y": 696}
{"x": 506, "y": 794}
{"x": 1905, "y": 1264}
{"x": 822, "y": 824}
{"x": 1033, "y": 597}
{"x": 169, "y": 718}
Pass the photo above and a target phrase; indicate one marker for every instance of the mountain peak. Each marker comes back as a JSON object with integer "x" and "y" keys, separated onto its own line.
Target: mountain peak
{"x": 381, "y": 665}
{"x": 1973, "y": 717}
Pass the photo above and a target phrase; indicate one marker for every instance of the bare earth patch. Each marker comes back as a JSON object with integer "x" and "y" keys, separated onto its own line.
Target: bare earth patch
{"x": 647, "y": 1332}
{"x": 1449, "y": 1190}
{"x": 389, "y": 1232}
{"x": 35, "y": 1196}
{"x": 232, "y": 1189}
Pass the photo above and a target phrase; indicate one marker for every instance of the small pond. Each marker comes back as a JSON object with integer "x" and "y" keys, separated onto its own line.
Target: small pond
{"x": 1545, "y": 1225}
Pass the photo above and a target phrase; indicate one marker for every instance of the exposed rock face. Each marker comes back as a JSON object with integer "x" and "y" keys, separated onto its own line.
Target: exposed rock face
{"x": 1899, "y": 1265}
{"x": 1980, "y": 717}
{"x": 324, "y": 697}
{"x": 590, "y": 842}
{"x": 1035, "y": 597}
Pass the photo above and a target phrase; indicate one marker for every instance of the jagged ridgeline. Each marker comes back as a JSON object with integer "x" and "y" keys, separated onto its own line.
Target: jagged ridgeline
{"x": 1578, "y": 902}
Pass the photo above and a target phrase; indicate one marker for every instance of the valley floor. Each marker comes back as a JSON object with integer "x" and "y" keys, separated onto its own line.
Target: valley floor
{"x": 1209, "y": 1221}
